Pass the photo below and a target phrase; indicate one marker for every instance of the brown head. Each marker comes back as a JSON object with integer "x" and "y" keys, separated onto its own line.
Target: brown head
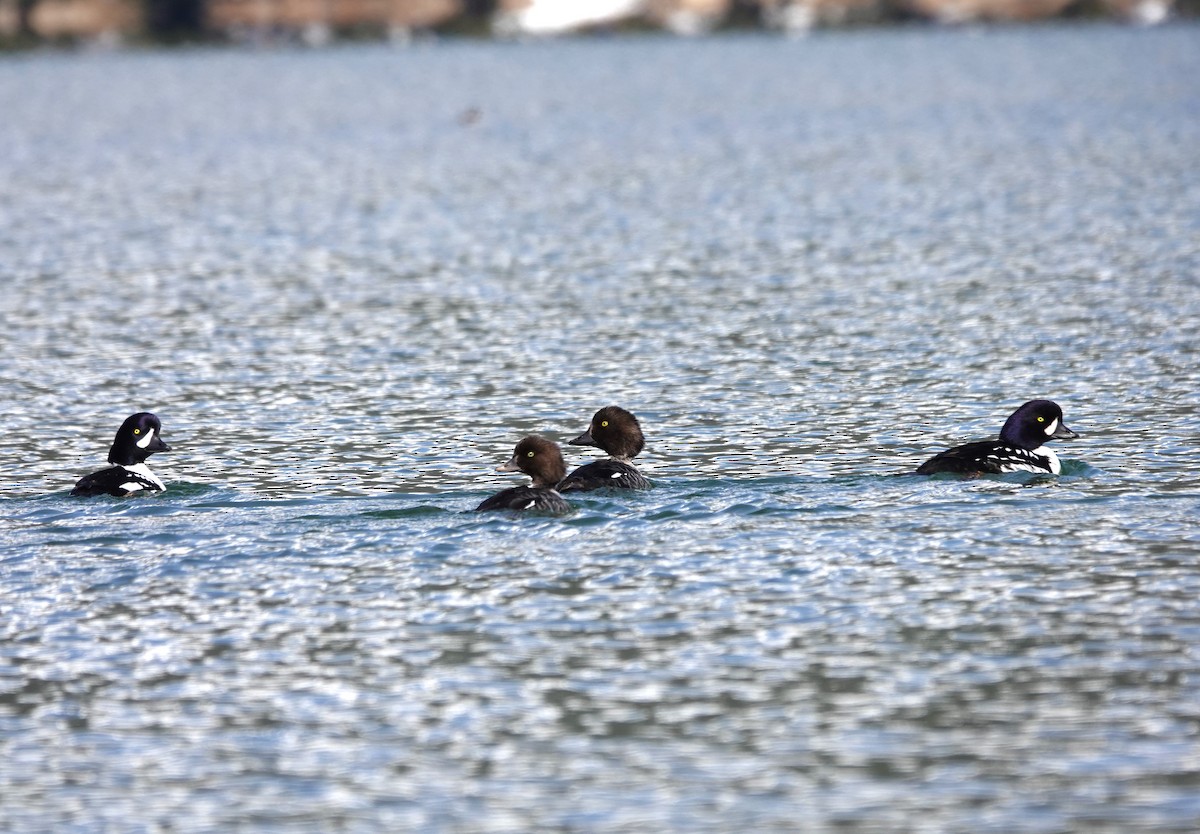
{"x": 538, "y": 458}
{"x": 614, "y": 430}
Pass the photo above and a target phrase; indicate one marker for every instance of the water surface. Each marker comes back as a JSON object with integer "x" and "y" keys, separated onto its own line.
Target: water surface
{"x": 349, "y": 280}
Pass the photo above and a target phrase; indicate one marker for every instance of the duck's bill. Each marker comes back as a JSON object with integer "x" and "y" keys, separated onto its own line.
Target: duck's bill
{"x": 1064, "y": 433}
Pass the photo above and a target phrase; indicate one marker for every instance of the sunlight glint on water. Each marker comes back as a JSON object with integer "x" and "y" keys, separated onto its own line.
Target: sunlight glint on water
{"x": 806, "y": 267}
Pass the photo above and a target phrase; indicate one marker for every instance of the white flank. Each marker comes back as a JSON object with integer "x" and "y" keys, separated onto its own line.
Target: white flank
{"x": 1051, "y": 463}
{"x": 143, "y": 470}
{"x": 1051, "y": 458}
{"x": 531, "y": 503}
{"x": 145, "y": 441}
{"x": 616, "y": 474}
{"x": 1020, "y": 467}
{"x": 1052, "y": 428}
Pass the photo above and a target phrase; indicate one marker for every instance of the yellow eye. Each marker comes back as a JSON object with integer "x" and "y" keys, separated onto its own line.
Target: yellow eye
{"x": 137, "y": 431}
{"x": 529, "y": 454}
{"x": 604, "y": 423}
{"x": 1041, "y": 419}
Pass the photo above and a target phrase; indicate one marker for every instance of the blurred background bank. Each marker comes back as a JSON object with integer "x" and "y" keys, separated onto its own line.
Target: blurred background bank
{"x": 315, "y": 22}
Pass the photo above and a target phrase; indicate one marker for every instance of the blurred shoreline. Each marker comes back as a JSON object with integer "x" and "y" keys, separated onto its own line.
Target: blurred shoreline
{"x": 113, "y": 23}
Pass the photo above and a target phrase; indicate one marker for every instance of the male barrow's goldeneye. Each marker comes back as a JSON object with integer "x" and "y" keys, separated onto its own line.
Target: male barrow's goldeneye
{"x": 137, "y": 439}
{"x": 541, "y": 460}
{"x": 617, "y": 432}
{"x": 1020, "y": 447}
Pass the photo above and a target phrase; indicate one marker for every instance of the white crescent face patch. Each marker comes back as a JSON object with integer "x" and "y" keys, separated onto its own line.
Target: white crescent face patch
{"x": 1052, "y": 428}
{"x": 145, "y": 441}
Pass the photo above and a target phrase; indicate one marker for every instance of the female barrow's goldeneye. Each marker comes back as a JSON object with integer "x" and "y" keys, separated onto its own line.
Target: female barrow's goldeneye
{"x": 617, "y": 432}
{"x": 137, "y": 439}
{"x": 541, "y": 460}
{"x": 1020, "y": 447}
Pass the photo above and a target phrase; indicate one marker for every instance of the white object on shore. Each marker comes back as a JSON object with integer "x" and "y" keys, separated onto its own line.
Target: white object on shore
{"x": 556, "y": 17}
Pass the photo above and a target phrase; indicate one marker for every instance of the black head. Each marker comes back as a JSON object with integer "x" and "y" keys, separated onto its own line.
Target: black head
{"x": 1034, "y": 423}
{"x": 137, "y": 439}
{"x": 538, "y": 458}
{"x": 614, "y": 430}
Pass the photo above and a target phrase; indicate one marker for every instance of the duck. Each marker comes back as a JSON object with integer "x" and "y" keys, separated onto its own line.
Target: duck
{"x": 1021, "y": 447}
{"x": 541, "y": 460}
{"x": 139, "y": 437}
{"x": 617, "y": 432}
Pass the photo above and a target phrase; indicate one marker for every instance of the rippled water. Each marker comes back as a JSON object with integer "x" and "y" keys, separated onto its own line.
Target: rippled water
{"x": 348, "y": 281}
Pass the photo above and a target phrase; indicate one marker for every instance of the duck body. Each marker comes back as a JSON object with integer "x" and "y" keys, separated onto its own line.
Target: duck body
{"x": 617, "y": 432}
{"x": 137, "y": 439}
{"x": 522, "y": 498}
{"x": 602, "y": 474}
{"x": 1020, "y": 448}
{"x": 542, "y": 461}
{"x": 119, "y": 481}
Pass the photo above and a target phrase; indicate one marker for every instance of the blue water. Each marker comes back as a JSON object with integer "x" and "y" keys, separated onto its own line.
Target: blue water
{"x": 348, "y": 281}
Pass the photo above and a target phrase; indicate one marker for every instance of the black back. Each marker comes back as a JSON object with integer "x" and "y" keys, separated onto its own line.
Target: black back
{"x": 968, "y": 459}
